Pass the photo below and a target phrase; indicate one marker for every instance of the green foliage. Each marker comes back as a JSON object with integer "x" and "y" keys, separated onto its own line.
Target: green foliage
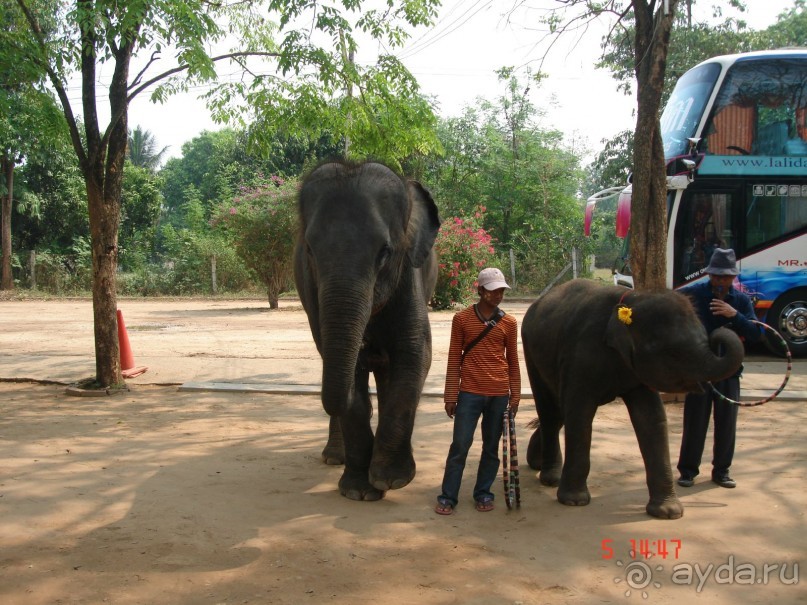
{"x": 261, "y": 223}
{"x": 697, "y": 37}
{"x": 141, "y": 203}
{"x": 68, "y": 273}
{"x": 186, "y": 266}
{"x": 51, "y": 208}
{"x": 463, "y": 248}
{"x": 373, "y": 105}
{"x": 790, "y": 29}
{"x": 610, "y": 168}
{"x": 528, "y": 181}
{"x": 215, "y": 165}
{"x": 141, "y": 149}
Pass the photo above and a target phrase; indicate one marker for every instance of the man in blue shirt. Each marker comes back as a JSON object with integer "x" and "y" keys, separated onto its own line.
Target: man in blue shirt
{"x": 718, "y": 304}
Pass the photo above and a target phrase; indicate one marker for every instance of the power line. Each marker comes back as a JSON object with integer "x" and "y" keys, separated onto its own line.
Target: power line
{"x": 450, "y": 28}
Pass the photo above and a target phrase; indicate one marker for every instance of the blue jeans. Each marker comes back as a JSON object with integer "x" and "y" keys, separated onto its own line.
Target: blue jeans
{"x": 469, "y": 408}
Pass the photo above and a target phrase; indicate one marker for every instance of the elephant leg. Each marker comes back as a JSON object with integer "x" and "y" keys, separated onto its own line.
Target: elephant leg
{"x": 551, "y": 456}
{"x": 534, "y": 456}
{"x": 551, "y": 422}
{"x": 393, "y": 464}
{"x": 650, "y": 425}
{"x": 334, "y": 451}
{"x": 358, "y": 440}
{"x": 543, "y": 450}
{"x": 573, "y": 487}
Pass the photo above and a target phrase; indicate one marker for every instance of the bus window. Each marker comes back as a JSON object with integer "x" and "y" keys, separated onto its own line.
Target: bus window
{"x": 769, "y": 218}
{"x": 760, "y": 110}
{"x": 704, "y": 223}
{"x": 731, "y": 131}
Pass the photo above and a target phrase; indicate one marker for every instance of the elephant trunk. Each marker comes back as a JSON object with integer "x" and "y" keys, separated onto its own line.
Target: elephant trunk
{"x": 728, "y": 355}
{"x": 346, "y": 312}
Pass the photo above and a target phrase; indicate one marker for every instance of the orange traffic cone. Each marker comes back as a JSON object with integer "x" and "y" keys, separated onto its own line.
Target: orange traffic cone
{"x": 127, "y": 363}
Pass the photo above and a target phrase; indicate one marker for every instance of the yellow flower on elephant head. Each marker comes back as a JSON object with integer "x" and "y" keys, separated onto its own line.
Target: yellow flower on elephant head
{"x": 625, "y": 315}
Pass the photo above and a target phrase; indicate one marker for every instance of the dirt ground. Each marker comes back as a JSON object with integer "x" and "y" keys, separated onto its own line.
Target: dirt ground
{"x": 164, "y": 494}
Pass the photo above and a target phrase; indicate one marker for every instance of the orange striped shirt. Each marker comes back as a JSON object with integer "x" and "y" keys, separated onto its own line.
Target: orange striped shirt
{"x": 491, "y": 367}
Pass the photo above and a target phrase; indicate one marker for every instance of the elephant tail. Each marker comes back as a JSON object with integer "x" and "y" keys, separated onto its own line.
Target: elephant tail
{"x": 534, "y": 423}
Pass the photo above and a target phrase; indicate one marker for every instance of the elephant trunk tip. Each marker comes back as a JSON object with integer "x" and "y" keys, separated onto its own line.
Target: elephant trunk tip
{"x": 334, "y": 400}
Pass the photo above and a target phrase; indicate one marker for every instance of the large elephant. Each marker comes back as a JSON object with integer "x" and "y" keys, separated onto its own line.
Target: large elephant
{"x": 365, "y": 270}
{"x": 585, "y": 345}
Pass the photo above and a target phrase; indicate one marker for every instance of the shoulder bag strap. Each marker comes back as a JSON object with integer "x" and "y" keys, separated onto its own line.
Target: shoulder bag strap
{"x": 497, "y": 316}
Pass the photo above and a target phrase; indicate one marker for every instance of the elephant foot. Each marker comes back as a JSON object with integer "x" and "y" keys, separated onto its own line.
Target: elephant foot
{"x": 550, "y": 476}
{"x": 392, "y": 476}
{"x": 579, "y": 497}
{"x": 333, "y": 455}
{"x": 534, "y": 455}
{"x": 670, "y": 508}
{"x": 355, "y": 486}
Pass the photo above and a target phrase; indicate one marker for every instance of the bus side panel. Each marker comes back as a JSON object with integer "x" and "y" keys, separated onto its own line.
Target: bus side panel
{"x": 767, "y": 274}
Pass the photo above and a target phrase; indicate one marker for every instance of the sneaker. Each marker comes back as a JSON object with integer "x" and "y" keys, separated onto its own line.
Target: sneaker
{"x": 724, "y": 480}
{"x": 685, "y": 481}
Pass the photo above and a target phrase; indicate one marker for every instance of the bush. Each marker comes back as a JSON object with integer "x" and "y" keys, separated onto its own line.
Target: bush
{"x": 262, "y": 225}
{"x": 463, "y": 248}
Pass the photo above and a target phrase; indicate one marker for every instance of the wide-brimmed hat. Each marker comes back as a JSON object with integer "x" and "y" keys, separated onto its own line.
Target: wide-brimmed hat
{"x": 723, "y": 262}
{"x": 491, "y": 279}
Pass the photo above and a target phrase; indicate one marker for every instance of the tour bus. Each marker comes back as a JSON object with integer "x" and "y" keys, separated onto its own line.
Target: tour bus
{"x": 735, "y": 144}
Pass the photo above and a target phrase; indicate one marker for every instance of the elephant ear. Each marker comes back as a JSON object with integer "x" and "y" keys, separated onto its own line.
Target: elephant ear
{"x": 617, "y": 336}
{"x": 424, "y": 223}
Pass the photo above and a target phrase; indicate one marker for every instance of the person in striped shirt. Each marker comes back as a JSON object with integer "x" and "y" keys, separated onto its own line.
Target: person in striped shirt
{"x": 482, "y": 380}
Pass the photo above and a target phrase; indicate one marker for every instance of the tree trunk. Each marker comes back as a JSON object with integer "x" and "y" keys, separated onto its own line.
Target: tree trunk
{"x": 103, "y": 175}
{"x": 7, "y": 280}
{"x": 104, "y": 218}
{"x": 648, "y": 204}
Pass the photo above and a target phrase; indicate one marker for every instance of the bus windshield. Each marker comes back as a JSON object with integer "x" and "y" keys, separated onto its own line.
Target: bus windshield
{"x": 685, "y": 108}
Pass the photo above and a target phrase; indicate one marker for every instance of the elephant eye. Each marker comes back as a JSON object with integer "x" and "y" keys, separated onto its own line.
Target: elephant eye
{"x": 384, "y": 255}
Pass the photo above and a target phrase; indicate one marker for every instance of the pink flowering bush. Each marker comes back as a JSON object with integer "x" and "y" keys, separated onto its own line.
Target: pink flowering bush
{"x": 463, "y": 248}
{"x": 261, "y": 223}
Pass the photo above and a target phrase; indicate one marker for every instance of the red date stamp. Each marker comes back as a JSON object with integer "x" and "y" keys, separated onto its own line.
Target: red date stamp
{"x": 644, "y": 548}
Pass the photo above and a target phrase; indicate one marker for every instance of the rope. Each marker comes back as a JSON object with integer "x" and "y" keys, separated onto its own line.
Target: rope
{"x": 721, "y": 397}
{"x": 512, "y": 488}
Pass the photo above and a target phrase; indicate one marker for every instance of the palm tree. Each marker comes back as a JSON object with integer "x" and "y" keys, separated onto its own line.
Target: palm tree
{"x": 142, "y": 149}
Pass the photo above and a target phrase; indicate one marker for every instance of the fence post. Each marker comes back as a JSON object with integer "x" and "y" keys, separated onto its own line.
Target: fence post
{"x": 32, "y": 268}
{"x": 574, "y": 263}
{"x": 213, "y": 273}
{"x": 513, "y": 267}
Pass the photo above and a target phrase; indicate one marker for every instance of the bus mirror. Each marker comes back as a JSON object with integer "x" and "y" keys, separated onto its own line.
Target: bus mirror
{"x": 690, "y": 167}
{"x": 693, "y": 145}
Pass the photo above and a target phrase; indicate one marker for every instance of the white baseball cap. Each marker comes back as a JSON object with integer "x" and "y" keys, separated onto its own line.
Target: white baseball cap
{"x": 491, "y": 279}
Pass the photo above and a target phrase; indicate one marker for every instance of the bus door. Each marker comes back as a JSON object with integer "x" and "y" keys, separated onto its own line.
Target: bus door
{"x": 705, "y": 220}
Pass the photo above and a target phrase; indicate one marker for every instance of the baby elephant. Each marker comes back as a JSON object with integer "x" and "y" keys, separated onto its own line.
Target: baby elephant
{"x": 585, "y": 345}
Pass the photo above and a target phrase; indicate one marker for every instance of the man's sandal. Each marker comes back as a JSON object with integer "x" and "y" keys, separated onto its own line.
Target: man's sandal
{"x": 444, "y": 508}
{"x": 484, "y": 506}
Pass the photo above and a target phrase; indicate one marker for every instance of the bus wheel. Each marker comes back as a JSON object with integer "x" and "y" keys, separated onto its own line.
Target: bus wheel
{"x": 789, "y": 316}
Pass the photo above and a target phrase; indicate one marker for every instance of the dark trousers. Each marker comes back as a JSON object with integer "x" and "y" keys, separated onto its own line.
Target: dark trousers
{"x": 697, "y": 410}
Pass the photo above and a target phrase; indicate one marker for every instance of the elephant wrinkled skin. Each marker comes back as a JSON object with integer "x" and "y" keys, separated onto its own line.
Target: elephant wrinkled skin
{"x": 365, "y": 270}
{"x": 580, "y": 355}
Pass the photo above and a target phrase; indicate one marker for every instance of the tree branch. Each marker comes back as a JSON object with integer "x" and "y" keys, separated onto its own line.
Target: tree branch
{"x": 182, "y": 68}
{"x": 154, "y": 56}
{"x": 55, "y": 80}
